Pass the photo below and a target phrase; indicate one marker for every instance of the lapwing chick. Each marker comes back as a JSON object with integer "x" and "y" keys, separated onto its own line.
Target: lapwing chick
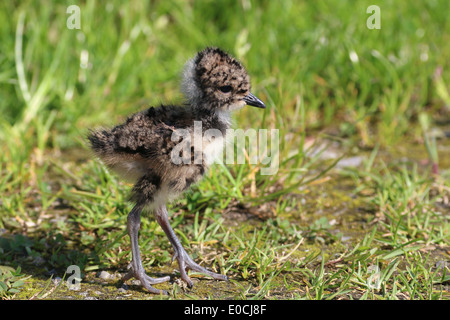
{"x": 145, "y": 150}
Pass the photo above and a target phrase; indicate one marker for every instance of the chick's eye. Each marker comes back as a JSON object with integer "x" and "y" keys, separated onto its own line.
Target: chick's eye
{"x": 225, "y": 89}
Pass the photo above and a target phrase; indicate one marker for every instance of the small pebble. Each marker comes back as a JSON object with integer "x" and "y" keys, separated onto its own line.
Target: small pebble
{"x": 135, "y": 282}
{"x": 350, "y": 162}
{"x": 441, "y": 264}
{"x": 122, "y": 290}
{"x": 38, "y": 261}
{"x": 104, "y": 275}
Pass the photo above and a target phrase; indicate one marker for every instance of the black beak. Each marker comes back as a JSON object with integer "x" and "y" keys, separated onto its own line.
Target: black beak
{"x": 251, "y": 100}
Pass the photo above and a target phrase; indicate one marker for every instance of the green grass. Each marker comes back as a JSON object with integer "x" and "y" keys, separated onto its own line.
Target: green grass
{"x": 315, "y": 230}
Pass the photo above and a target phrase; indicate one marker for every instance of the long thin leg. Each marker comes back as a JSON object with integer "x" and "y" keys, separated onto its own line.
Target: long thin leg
{"x": 137, "y": 269}
{"x": 184, "y": 261}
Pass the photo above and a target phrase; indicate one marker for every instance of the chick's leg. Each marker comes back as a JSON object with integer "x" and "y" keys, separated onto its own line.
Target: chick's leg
{"x": 137, "y": 269}
{"x": 184, "y": 261}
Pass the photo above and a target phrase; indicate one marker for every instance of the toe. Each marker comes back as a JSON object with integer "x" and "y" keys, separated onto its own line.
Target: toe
{"x": 156, "y": 280}
{"x": 147, "y": 281}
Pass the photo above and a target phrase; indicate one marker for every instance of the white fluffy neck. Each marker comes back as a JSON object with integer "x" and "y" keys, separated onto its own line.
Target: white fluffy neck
{"x": 193, "y": 94}
{"x": 224, "y": 116}
{"x": 188, "y": 84}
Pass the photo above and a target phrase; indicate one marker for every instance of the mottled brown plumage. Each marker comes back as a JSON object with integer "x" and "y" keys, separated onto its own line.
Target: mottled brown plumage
{"x": 142, "y": 149}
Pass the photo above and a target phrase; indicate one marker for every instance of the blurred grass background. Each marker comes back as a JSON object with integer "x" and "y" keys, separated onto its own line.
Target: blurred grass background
{"x": 315, "y": 64}
{"x": 127, "y": 55}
